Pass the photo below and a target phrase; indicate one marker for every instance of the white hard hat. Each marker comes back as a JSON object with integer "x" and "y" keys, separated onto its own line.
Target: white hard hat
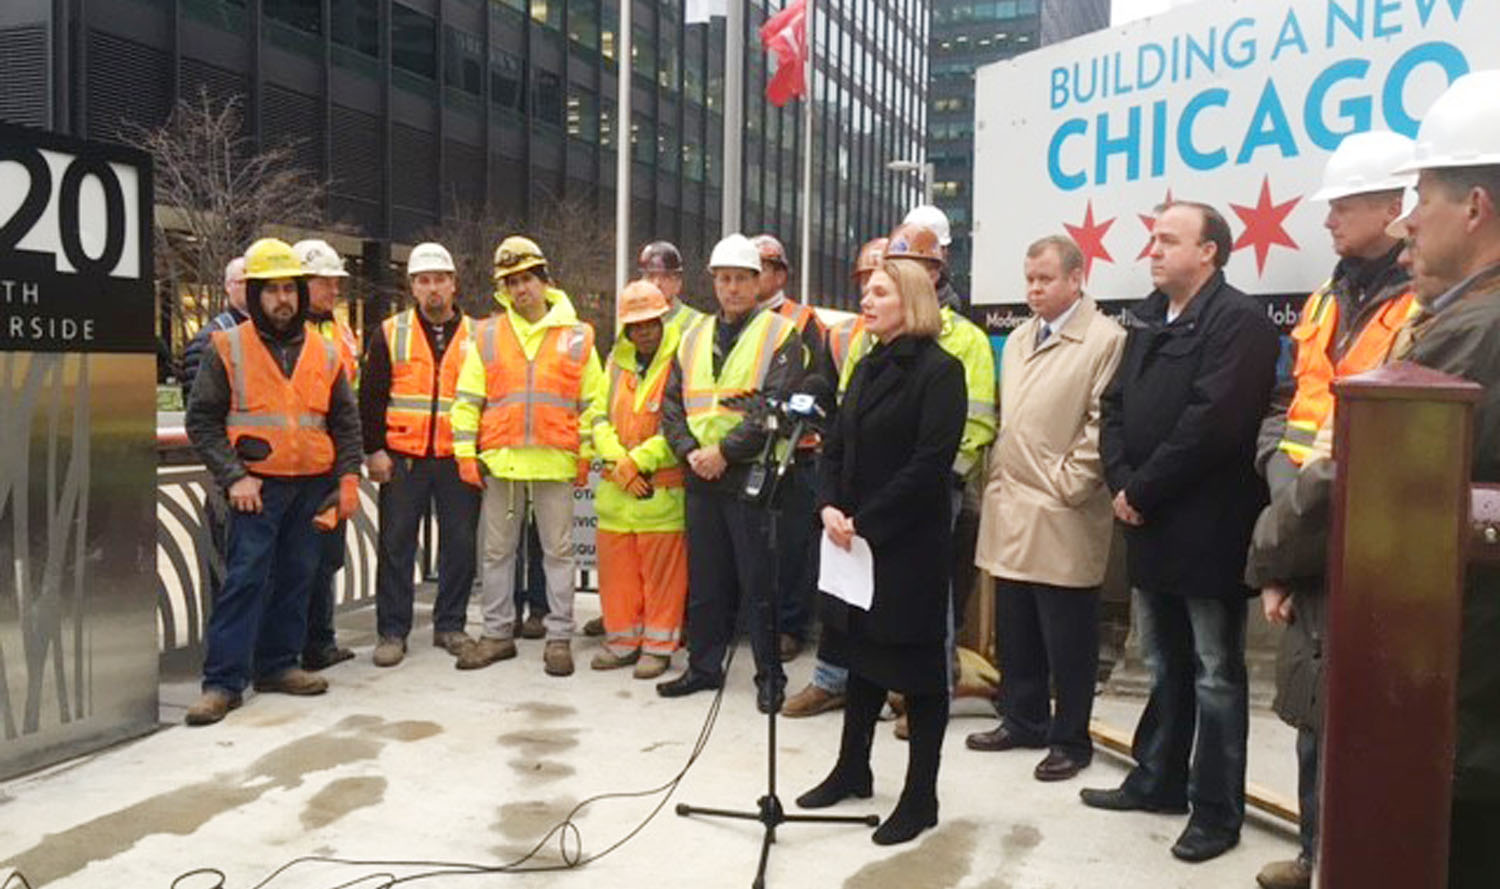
{"x": 1365, "y": 163}
{"x": 1462, "y": 128}
{"x": 319, "y": 259}
{"x": 735, "y": 252}
{"x": 928, "y": 216}
{"x": 429, "y": 257}
{"x": 1397, "y": 228}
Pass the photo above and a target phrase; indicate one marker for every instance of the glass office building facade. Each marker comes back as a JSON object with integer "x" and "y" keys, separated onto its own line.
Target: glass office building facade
{"x": 966, "y": 35}
{"x": 411, "y": 107}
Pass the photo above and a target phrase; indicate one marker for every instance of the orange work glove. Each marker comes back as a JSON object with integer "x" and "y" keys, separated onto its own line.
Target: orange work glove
{"x": 581, "y": 480}
{"x": 468, "y": 470}
{"x": 624, "y": 473}
{"x": 349, "y": 496}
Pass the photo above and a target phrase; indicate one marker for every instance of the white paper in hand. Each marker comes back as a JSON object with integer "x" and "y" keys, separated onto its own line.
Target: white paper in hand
{"x": 847, "y": 574}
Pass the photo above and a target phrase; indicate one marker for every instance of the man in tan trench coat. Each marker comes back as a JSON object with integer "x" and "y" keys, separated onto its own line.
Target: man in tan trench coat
{"x": 1045, "y": 524}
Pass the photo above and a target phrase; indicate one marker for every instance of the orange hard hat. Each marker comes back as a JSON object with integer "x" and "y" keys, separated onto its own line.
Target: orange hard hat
{"x": 770, "y": 249}
{"x": 912, "y": 241}
{"x": 641, "y": 301}
{"x": 871, "y": 255}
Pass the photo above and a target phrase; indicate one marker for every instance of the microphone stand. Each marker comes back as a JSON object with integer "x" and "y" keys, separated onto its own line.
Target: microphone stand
{"x": 769, "y": 811}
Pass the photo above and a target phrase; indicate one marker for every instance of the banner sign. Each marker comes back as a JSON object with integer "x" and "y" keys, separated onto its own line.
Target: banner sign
{"x": 1236, "y": 103}
{"x": 75, "y": 245}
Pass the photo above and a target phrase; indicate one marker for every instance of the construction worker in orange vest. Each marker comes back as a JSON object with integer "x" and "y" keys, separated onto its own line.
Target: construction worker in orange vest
{"x": 528, "y": 397}
{"x": 325, "y": 276}
{"x": 275, "y": 422}
{"x": 405, "y": 399}
{"x": 796, "y": 576}
{"x": 1348, "y": 326}
{"x": 641, "y": 503}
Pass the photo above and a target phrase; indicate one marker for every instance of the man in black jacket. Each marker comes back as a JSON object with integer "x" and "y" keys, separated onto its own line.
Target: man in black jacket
{"x": 234, "y": 314}
{"x": 1178, "y": 441}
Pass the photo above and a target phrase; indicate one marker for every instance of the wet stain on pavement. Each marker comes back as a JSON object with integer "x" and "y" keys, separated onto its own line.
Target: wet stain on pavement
{"x": 181, "y": 811}
{"x": 527, "y": 821}
{"x": 539, "y": 741}
{"x": 940, "y": 861}
{"x": 341, "y": 797}
{"x": 409, "y": 730}
{"x": 541, "y": 769}
{"x": 544, "y": 710}
{"x": 1020, "y": 839}
{"x": 623, "y": 695}
{"x": 273, "y": 719}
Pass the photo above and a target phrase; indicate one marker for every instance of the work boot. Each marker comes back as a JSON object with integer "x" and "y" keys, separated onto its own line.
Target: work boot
{"x": 594, "y": 628}
{"x": 651, "y": 666}
{"x": 323, "y": 658}
{"x": 557, "y": 658}
{"x": 485, "y": 652}
{"x": 1294, "y": 874}
{"x": 532, "y": 627}
{"x": 389, "y": 651}
{"x": 608, "y": 660}
{"x": 212, "y": 706}
{"x": 292, "y": 681}
{"x": 452, "y": 641}
{"x": 811, "y": 701}
{"x": 788, "y": 647}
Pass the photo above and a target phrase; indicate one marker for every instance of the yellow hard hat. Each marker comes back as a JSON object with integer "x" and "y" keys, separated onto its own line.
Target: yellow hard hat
{"x": 641, "y": 301}
{"x": 517, "y": 254}
{"x": 271, "y": 258}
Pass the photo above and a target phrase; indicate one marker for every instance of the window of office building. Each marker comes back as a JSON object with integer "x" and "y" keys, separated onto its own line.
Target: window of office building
{"x": 609, "y": 26}
{"x": 356, "y": 24}
{"x": 297, "y": 13}
{"x": 606, "y": 122}
{"x": 547, "y": 12}
{"x": 413, "y": 41}
{"x": 642, "y": 52}
{"x": 642, "y": 138}
{"x": 549, "y": 97}
{"x": 667, "y": 151}
{"x": 583, "y": 115}
{"x": 583, "y": 22}
{"x": 463, "y": 55}
{"x": 507, "y": 81}
{"x": 667, "y": 60}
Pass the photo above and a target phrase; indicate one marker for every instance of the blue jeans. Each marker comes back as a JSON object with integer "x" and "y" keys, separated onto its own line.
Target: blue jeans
{"x": 259, "y": 619}
{"x": 1195, "y": 650}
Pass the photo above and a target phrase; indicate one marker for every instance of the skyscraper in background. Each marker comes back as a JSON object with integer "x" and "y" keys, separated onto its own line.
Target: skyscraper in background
{"x": 966, "y": 35}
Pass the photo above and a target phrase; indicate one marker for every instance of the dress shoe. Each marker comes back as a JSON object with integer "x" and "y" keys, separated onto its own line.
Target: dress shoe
{"x": 788, "y": 647}
{"x": 485, "y": 652}
{"x": 651, "y": 666}
{"x": 1000, "y": 738}
{"x": 213, "y": 706}
{"x": 909, "y": 818}
{"x": 811, "y": 701}
{"x": 292, "y": 681}
{"x": 689, "y": 682}
{"x": 838, "y": 787}
{"x": 1058, "y": 767}
{"x": 594, "y": 628}
{"x": 770, "y": 694}
{"x": 557, "y": 658}
{"x": 533, "y": 627}
{"x": 452, "y": 641}
{"x": 1200, "y": 844}
{"x": 323, "y": 658}
{"x": 608, "y": 660}
{"x": 1294, "y": 874}
{"x": 389, "y": 651}
{"x": 1118, "y": 799}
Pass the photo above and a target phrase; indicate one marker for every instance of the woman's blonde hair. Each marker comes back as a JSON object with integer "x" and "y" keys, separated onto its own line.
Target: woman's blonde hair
{"x": 919, "y": 303}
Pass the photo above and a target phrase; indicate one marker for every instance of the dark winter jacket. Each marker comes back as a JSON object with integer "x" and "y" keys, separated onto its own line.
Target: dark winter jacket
{"x": 193, "y": 354}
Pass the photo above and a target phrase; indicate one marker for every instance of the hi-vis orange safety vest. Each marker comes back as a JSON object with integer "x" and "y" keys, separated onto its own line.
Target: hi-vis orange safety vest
{"x": 290, "y": 415}
{"x": 841, "y": 340}
{"x": 338, "y": 333}
{"x": 635, "y": 426}
{"x": 532, "y": 402}
{"x": 1312, "y": 407}
{"x": 798, "y": 314}
{"x": 421, "y": 387}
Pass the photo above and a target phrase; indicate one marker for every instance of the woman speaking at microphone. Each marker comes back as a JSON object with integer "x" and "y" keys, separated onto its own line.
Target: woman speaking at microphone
{"x": 884, "y": 478}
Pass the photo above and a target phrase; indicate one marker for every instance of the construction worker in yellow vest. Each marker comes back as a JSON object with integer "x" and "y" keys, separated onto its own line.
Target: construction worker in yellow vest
{"x": 528, "y": 398}
{"x": 641, "y": 502}
{"x": 740, "y": 349}
{"x": 406, "y": 402}
{"x": 325, "y": 276}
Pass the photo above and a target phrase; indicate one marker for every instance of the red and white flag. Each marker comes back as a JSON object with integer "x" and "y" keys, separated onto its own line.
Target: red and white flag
{"x": 785, "y": 34}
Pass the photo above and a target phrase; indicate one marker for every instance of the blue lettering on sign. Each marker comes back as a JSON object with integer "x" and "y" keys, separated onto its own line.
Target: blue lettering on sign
{"x": 1194, "y": 158}
{"x": 1354, "y": 24}
{"x": 1268, "y": 126}
{"x": 1128, "y": 145}
{"x": 1393, "y": 98}
{"x": 1066, "y": 181}
{"x": 1290, "y": 35}
{"x": 1425, "y": 7}
{"x": 1356, "y": 110}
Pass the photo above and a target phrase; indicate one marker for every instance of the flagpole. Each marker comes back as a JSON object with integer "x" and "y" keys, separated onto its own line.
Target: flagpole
{"x": 807, "y": 159}
{"x": 622, "y": 149}
{"x": 734, "y": 115}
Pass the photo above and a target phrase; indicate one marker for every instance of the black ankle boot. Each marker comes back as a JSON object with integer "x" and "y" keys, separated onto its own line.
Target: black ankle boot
{"x": 910, "y": 817}
{"x": 837, "y": 787}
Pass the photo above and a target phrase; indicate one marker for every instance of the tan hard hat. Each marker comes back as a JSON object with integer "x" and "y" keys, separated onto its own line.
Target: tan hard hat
{"x": 871, "y": 255}
{"x": 912, "y": 241}
{"x": 517, "y": 254}
{"x": 641, "y": 301}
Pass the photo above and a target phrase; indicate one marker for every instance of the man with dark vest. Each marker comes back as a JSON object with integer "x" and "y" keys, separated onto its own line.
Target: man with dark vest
{"x": 275, "y": 422}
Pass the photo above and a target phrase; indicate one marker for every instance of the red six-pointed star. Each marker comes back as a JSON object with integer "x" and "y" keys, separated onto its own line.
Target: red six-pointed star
{"x": 1263, "y": 225}
{"x": 1090, "y": 239}
{"x": 1149, "y": 221}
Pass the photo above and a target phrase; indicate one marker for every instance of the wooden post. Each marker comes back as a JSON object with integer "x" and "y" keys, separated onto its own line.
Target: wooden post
{"x": 1403, "y": 434}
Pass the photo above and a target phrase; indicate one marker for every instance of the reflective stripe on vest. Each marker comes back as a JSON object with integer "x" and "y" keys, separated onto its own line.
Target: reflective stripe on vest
{"x": 287, "y": 415}
{"x": 532, "y": 402}
{"x": 335, "y": 331}
{"x": 744, "y": 370}
{"x": 1312, "y": 406}
{"x": 422, "y": 390}
{"x": 796, "y": 313}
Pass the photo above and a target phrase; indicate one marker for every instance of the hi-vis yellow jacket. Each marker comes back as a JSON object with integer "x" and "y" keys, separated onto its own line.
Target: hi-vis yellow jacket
{"x": 633, "y": 429}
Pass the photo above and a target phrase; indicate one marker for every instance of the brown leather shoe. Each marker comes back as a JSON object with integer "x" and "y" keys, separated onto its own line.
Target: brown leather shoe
{"x": 212, "y": 706}
{"x": 533, "y": 627}
{"x": 788, "y": 647}
{"x": 557, "y": 658}
{"x": 485, "y": 652}
{"x": 999, "y": 738}
{"x": 594, "y": 628}
{"x": 292, "y": 681}
{"x": 811, "y": 701}
{"x": 651, "y": 666}
{"x": 389, "y": 651}
{"x": 452, "y": 641}
{"x": 1058, "y": 767}
{"x": 1294, "y": 874}
{"x": 608, "y": 660}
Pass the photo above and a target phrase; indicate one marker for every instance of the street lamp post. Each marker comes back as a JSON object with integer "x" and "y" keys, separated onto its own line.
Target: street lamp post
{"x": 926, "y": 174}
